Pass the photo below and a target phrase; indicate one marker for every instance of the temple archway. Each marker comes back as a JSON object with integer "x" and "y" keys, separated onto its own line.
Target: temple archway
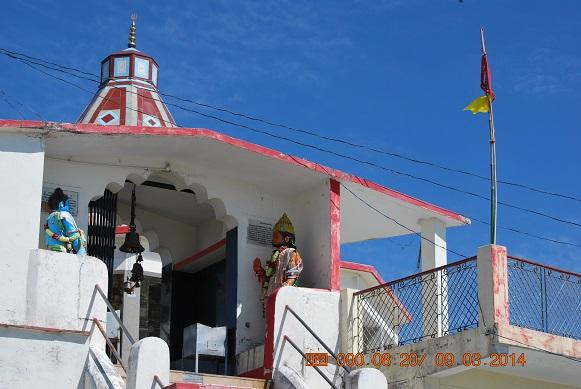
{"x": 189, "y": 264}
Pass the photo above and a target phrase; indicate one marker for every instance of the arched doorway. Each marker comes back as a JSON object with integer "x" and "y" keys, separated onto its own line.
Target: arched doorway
{"x": 190, "y": 262}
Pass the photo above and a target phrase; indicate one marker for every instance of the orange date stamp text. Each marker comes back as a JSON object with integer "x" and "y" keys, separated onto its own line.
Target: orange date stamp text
{"x": 411, "y": 359}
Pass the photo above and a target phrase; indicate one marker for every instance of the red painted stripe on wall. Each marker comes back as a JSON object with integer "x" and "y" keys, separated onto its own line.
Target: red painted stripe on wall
{"x": 198, "y": 255}
{"x": 269, "y": 335}
{"x": 335, "y": 224}
{"x": 362, "y": 267}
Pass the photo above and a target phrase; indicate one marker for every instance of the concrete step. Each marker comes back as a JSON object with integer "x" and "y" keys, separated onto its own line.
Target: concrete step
{"x": 190, "y": 380}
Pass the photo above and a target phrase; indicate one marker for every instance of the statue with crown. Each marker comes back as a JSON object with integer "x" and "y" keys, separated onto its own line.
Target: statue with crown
{"x": 285, "y": 265}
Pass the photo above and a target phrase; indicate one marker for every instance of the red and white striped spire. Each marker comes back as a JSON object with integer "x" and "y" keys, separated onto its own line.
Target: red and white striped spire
{"x": 128, "y": 94}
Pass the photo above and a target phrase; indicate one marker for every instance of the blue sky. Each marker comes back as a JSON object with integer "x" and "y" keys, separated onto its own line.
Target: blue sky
{"x": 394, "y": 74}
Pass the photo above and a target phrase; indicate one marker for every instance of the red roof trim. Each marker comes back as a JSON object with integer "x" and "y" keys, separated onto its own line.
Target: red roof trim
{"x": 202, "y": 132}
{"x": 364, "y": 268}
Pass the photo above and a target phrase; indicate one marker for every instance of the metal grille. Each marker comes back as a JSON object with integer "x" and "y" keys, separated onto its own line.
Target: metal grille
{"x": 543, "y": 298}
{"x": 101, "y": 230}
{"x": 425, "y": 305}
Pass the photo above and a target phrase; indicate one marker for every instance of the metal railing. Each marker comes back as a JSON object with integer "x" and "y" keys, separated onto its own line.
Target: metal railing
{"x": 114, "y": 313}
{"x": 308, "y": 328}
{"x": 544, "y": 298}
{"x": 426, "y": 305}
{"x": 111, "y": 346}
{"x": 156, "y": 379}
{"x": 331, "y": 384}
{"x": 321, "y": 342}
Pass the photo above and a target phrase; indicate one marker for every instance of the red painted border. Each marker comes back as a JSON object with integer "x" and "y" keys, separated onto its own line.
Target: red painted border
{"x": 269, "y": 335}
{"x": 520, "y": 336}
{"x": 362, "y": 267}
{"x": 335, "y": 221}
{"x": 202, "y": 132}
{"x": 198, "y": 255}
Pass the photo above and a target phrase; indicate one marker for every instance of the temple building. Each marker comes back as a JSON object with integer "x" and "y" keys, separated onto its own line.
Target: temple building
{"x": 175, "y": 218}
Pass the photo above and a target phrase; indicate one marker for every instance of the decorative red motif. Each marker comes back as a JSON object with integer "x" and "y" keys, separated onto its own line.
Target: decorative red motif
{"x": 107, "y": 118}
{"x": 151, "y": 122}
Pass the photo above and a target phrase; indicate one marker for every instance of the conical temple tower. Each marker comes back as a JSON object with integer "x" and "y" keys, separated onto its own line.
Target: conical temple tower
{"x": 128, "y": 92}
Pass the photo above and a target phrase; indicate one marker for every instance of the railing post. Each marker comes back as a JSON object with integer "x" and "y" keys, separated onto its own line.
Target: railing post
{"x": 492, "y": 286}
{"x": 544, "y": 308}
{"x": 435, "y": 297}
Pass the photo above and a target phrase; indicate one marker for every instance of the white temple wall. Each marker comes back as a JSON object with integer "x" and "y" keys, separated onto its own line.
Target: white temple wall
{"x": 352, "y": 280}
{"x": 21, "y": 166}
{"x": 235, "y": 202}
{"x": 50, "y": 347}
{"x": 313, "y": 235}
{"x": 88, "y": 180}
{"x": 209, "y": 233}
{"x": 246, "y": 202}
{"x": 309, "y": 213}
{"x": 322, "y": 312}
{"x": 179, "y": 237}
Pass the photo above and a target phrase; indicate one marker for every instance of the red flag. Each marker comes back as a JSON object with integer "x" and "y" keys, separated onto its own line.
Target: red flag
{"x": 485, "y": 79}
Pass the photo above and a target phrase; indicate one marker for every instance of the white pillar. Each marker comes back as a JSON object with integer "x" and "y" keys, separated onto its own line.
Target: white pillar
{"x": 131, "y": 309}
{"x": 434, "y": 293}
{"x": 433, "y": 255}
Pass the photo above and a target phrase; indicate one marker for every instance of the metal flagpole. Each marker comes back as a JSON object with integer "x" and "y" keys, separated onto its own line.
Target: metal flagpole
{"x": 493, "y": 193}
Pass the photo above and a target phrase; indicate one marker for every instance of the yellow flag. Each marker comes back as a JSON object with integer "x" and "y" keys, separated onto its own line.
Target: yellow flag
{"x": 479, "y": 104}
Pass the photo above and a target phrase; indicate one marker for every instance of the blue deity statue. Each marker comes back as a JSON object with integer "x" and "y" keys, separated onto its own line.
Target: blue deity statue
{"x": 61, "y": 231}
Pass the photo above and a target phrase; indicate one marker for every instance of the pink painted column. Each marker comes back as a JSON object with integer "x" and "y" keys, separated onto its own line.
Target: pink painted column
{"x": 492, "y": 286}
{"x": 335, "y": 228}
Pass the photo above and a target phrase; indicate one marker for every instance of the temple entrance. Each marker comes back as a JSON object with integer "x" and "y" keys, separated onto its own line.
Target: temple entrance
{"x": 189, "y": 267}
{"x": 202, "y": 289}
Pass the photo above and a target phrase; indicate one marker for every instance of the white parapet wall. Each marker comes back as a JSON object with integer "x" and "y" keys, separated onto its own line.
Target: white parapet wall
{"x": 320, "y": 309}
{"x": 60, "y": 290}
{"x": 323, "y": 312}
{"x": 49, "y": 346}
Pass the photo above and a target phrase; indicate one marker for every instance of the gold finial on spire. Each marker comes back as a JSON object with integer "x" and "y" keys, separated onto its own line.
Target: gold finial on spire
{"x": 131, "y": 43}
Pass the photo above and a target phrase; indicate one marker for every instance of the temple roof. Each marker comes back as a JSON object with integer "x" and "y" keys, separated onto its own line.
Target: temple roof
{"x": 232, "y": 158}
{"x": 128, "y": 93}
